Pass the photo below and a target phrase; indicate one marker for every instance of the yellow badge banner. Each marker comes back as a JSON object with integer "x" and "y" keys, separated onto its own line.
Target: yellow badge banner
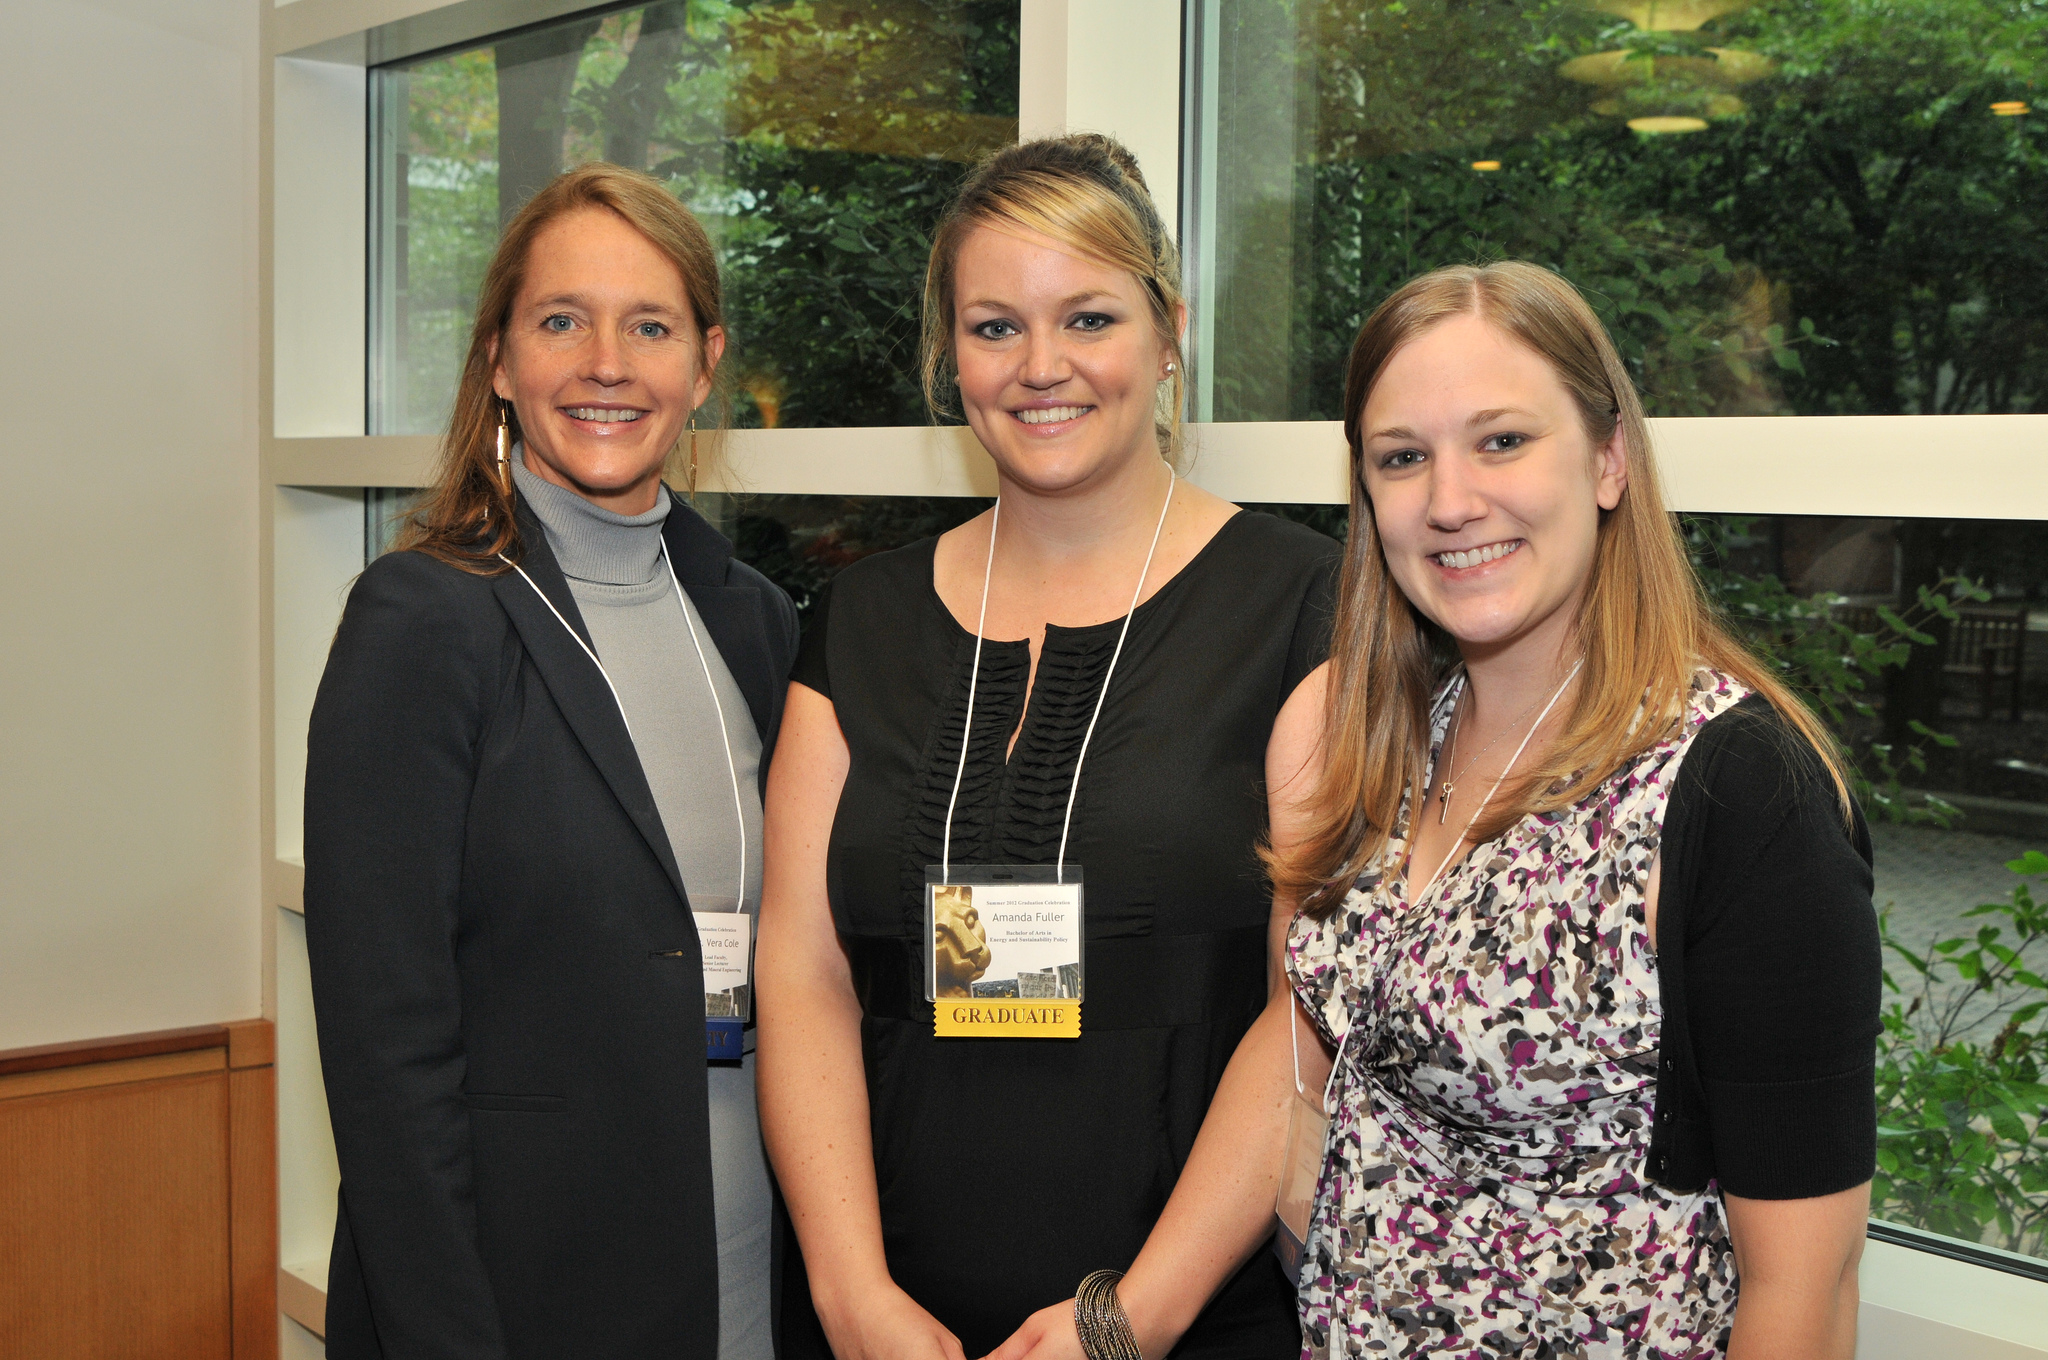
{"x": 1005, "y": 1018}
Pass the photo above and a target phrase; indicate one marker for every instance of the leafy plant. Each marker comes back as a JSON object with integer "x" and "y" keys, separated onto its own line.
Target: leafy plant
{"x": 1962, "y": 1141}
{"x": 1831, "y": 654}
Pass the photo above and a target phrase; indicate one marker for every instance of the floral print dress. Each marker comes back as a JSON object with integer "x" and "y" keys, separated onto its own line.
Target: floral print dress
{"x": 1483, "y": 1191}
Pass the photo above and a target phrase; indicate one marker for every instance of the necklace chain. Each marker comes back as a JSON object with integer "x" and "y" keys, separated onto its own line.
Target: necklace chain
{"x": 1449, "y": 786}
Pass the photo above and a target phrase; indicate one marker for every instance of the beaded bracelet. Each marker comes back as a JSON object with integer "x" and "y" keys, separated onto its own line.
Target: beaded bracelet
{"x": 1099, "y": 1318}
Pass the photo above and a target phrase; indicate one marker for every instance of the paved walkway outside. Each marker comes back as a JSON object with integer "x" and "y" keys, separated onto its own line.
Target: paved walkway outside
{"x": 1929, "y": 878}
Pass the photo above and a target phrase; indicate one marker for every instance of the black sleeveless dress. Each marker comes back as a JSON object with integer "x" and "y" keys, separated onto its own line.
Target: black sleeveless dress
{"x": 1010, "y": 1168}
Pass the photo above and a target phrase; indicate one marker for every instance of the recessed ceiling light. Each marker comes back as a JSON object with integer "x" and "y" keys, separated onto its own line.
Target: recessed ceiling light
{"x": 1486, "y": 165}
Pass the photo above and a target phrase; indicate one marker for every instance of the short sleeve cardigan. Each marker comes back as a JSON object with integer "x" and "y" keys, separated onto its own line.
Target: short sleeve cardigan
{"x": 1769, "y": 970}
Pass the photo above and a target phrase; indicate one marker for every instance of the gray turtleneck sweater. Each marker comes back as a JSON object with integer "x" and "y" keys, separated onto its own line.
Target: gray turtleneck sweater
{"x": 628, "y": 599}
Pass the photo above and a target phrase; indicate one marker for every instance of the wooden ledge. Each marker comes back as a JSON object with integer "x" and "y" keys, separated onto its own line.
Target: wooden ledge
{"x": 81, "y": 1052}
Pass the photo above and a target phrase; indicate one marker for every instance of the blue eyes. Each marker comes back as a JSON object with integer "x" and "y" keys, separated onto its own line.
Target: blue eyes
{"x": 1088, "y": 323}
{"x": 561, "y": 323}
{"x": 1505, "y": 442}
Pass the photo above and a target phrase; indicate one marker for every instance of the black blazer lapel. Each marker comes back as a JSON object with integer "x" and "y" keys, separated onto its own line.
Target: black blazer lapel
{"x": 579, "y": 688}
{"x": 735, "y": 616}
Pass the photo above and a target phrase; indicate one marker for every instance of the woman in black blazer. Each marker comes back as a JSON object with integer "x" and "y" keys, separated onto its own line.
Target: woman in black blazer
{"x": 537, "y": 749}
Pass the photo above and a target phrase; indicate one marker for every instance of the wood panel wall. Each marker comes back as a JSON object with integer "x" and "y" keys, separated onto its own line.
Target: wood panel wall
{"x": 138, "y": 1197}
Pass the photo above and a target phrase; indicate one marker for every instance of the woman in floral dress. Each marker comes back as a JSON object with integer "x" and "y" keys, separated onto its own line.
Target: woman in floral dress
{"x": 1586, "y": 904}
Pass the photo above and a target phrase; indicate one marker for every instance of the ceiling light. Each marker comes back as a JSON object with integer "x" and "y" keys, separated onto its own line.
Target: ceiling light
{"x": 1665, "y": 124}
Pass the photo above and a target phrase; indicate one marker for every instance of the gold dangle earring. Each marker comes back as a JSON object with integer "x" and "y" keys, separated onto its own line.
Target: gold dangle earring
{"x": 504, "y": 450}
{"x": 693, "y": 455}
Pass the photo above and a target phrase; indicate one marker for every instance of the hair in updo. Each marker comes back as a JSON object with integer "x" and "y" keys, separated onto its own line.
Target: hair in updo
{"x": 1085, "y": 191}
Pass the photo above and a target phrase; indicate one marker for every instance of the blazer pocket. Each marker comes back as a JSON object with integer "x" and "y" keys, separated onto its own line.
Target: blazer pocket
{"x": 516, "y": 1104}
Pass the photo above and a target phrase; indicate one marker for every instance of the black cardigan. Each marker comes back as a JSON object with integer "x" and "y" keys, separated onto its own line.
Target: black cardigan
{"x": 1770, "y": 971}
{"x": 506, "y": 977}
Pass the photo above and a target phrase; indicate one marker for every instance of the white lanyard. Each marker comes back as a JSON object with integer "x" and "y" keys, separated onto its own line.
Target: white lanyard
{"x": 974, "y": 676}
{"x": 718, "y": 706}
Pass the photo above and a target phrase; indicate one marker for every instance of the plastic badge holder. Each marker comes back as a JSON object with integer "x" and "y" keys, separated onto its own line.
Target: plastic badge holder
{"x": 726, "y": 939}
{"x": 1308, "y": 1128}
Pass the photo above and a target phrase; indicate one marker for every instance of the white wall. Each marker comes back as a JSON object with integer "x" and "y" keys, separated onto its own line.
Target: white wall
{"x": 128, "y": 514}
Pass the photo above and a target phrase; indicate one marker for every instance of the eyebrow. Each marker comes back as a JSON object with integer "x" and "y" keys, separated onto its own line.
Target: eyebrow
{"x": 1486, "y": 417}
{"x": 1489, "y": 416}
{"x": 579, "y": 300}
{"x": 1074, "y": 300}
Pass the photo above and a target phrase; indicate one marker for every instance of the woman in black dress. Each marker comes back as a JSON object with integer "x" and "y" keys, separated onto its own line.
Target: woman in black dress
{"x": 946, "y": 1189}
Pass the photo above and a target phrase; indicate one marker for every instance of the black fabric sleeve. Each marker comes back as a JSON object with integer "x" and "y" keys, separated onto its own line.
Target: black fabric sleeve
{"x": 1313, "y": 621}
{"x": 1783, "y": 968}
{"x": 811, "y": 670}
{"x": 390, "y": 766}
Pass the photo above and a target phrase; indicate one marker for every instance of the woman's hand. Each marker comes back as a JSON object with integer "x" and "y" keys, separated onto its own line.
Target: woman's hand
{"x": 887, "y": 1324}
{"x": 1047, "y": 1334}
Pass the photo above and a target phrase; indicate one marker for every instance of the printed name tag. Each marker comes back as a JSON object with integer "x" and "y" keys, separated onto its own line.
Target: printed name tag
{"x": 727, "y": 940}
{"x": 1003, "y": 957}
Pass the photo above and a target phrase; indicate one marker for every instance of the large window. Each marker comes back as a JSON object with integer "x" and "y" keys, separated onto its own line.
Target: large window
{"x": 816, "y": 142}
{"x": 1779, "y": 206}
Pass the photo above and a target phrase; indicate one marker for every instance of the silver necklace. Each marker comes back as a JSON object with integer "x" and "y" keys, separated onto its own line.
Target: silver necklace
{"x": 1449, "y": 786}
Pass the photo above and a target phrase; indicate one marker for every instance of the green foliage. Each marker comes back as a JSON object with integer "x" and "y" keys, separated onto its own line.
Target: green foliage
{"x": 802, "y": 542}
{"x": 825, "y": 257}
{"x": 1830, "y": 655}
{"x": 1962, "y": 1140}
{"x": 817, "y": 143}
{"x": 1853, "y": 231}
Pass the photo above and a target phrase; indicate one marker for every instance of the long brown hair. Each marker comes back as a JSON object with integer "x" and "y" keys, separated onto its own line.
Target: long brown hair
{"x": 1085, "y": 191}
{"x": 465, "y": 518}
{"x": 1644, "y": 623}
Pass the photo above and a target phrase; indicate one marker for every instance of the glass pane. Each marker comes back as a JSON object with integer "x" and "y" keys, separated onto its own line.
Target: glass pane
{"x": 1951, "y": 734}
{"x": 816, "y": 143}
{"x": 802, "y": 542}
{"x": 385, "y": 509}
{"x": 1778, "y": 206}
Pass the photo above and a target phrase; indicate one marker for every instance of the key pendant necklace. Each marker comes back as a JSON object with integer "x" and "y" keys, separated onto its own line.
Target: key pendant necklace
{"x": 1449, "y": 786}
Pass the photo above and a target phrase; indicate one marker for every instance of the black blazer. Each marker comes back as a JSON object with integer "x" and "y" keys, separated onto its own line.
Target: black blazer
{"x": 506, "y": 978}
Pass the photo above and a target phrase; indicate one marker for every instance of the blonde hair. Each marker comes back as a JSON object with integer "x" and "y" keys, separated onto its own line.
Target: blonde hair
{"x": 466, "y": 518}
{"x": 1644, "y": 623}
{"x": 1084, "y": 191}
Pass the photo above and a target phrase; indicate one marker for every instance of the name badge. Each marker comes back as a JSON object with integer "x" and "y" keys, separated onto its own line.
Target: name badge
{"x": 1003, "y": 951}
{"x": 1308, "y": 1130}
{"x": 726, "y": 939}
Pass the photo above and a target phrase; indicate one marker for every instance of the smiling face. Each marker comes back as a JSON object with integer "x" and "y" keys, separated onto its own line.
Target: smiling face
{"x": 1059, "y": 361}
{"x": 1486, "y": 487}
{"x": 602, "y": 359}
